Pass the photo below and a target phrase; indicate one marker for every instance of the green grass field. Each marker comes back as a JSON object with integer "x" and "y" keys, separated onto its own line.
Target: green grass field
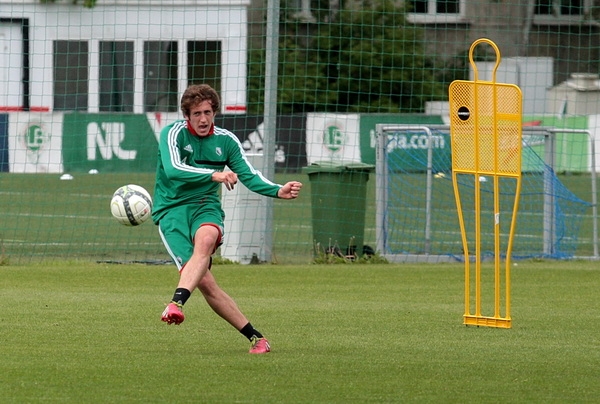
{"x": 78, "y": 332}
{"x": 43, "y": 218}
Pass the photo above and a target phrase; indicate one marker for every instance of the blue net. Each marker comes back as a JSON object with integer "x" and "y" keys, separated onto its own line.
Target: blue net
{"x": 549, "y": 215}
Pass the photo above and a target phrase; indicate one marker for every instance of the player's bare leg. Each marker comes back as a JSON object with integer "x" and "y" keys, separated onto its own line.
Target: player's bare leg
{"x": 195, "y": 269}
{"x": 227, "y": 309}
{"x": 221, "y": 302}
{"x": 205, "y": 241}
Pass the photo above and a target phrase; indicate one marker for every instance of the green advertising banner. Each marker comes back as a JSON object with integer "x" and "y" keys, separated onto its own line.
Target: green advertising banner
{"x": 571, "y": 150}
{"x": 410, "y": 147}
{"x": 108, "y": 143}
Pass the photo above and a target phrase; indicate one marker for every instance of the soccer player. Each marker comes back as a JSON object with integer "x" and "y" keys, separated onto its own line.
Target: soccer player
{"x": 192, "y": 156}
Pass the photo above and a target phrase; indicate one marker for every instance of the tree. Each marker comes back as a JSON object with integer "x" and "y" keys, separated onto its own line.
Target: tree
{"x": 368, "y": 59}
{"x": 85, "y": 3}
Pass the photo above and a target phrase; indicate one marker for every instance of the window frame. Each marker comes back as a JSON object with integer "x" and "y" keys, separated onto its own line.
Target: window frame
{"x": 432, "y": 16}
{"x": 560, "y": 19}
{"x": 161, "y": 76}
{"x": 70, "y": 93}
{"x": 116, "y": 89}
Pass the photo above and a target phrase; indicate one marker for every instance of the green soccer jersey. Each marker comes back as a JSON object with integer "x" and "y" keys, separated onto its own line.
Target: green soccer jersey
{"x": 186, "y": 163}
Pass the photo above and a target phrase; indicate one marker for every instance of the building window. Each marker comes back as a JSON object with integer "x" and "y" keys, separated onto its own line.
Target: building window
{"x": 160, "y": 76}
{"x": 419, "y": 6}
{"x": 204, "y": 63}
{"x": 116, "y": 76}
{"x": 70, "y": 75}
{"x": 559, "y": 7}
{"x": 561, "y": 11}
{"x": 435, "y": 11}
{"x": 447, "y": 7}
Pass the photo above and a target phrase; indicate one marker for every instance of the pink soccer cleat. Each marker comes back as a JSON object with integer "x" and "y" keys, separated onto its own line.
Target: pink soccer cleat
{"x": 260, "y": 346}
{"x": 173, "y": 314}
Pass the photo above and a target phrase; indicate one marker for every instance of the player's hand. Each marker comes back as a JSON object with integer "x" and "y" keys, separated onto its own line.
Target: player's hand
{"x": 229, "y": 178}
{"x": 290, "y": 190}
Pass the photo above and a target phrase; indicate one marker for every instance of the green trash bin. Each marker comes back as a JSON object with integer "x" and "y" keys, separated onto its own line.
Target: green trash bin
{"x": 338, "y": 197}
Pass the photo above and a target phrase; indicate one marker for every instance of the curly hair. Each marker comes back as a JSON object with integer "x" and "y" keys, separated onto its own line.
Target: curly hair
{"x": 196, "y": 94}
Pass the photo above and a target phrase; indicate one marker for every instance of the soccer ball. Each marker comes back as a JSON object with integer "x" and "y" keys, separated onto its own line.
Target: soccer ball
{"x": 131, "y": 205}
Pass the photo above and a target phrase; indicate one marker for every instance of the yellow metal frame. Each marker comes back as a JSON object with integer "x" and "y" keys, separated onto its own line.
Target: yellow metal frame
{"x": 486, "y": 134}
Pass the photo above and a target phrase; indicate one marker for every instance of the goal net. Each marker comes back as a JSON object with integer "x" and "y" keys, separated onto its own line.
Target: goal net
{"x": 416, "y": 208}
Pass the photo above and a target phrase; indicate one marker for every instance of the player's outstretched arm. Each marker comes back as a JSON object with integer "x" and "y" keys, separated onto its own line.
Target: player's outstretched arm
{"x": 290, "y": 190}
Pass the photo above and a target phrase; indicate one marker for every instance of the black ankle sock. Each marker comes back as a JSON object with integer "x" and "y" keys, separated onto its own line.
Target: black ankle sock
{"x": 181, "y": 296}
{"x": 248, "y": 331}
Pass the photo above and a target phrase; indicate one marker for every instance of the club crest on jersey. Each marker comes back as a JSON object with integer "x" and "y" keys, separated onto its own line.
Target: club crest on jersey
{"x": 219, "y": 151}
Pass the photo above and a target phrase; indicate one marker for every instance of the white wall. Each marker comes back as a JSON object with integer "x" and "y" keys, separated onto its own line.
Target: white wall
{"x": 137, "y": 21}
{"x": 533, "y": 75}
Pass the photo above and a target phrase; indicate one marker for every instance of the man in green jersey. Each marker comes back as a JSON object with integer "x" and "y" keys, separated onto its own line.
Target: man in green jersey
{"x": 192, "y": 156}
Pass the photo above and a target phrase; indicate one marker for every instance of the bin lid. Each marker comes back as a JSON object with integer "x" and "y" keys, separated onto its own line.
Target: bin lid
{"x": 337, "y": 167}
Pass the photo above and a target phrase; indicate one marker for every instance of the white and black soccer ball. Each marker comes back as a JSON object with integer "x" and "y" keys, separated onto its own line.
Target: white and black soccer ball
{"x": 131, "y": 205}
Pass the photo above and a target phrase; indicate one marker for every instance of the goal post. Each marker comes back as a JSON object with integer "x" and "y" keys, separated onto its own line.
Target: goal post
{"x": 382, "y": 185}
{"x": 551, "y": 215}
{"x": 549, "y": 211}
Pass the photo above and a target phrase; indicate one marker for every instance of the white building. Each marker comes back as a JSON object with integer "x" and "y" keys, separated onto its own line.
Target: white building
{"x": 120, "y": 56}
{"x": 579, "y": 95}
